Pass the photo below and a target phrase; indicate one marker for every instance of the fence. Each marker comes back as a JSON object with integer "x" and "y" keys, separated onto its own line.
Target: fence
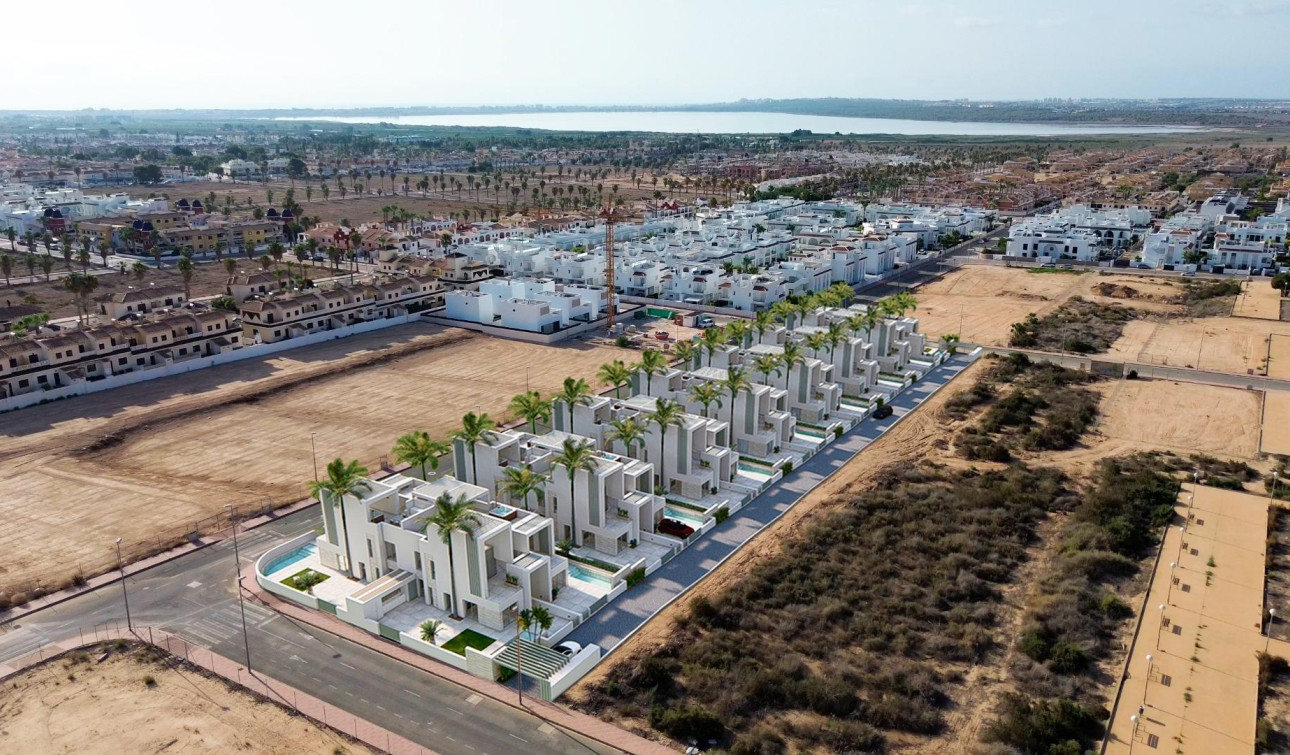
{"x": 255, "y": 683}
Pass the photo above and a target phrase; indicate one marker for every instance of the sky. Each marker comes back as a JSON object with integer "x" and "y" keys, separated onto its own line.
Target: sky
{"x": 340, "y": 53}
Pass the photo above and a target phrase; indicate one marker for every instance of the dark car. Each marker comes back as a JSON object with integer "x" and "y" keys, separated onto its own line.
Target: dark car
{"x": 675, "y": 528}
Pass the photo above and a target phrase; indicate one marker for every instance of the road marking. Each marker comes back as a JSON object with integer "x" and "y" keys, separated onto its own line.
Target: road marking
{"x": 546, "y": 728}
{"x": 410, "y": 692}
{"x": 474, "y": 699}
{"x": 522, "y": 739}
{"x": 193, "y": 585}
{"x": 454, "y": 710}
{"x": 346, "y": 665}
{"x": 396, "y": 715}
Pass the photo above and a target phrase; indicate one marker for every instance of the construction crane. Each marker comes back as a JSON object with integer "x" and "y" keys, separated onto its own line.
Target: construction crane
{"x": 611, "y": 216}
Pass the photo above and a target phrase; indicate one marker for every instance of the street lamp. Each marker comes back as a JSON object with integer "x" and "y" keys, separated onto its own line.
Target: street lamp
{"x": 1272, "y": 616}
{"x": 1146, "y": 682}
{"x": 313, "y": 450}
{"x": 124, "y": 592}
{"x": 237, "y": 571}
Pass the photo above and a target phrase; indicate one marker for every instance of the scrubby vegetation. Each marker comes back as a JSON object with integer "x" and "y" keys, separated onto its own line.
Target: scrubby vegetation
{"x": 1028, "y": 406}
{"x": 858, "y": 628}
{"x": 1073, "y": 622}
{"x": 1079, "y": 325}
{"x": 1211, "y": 298}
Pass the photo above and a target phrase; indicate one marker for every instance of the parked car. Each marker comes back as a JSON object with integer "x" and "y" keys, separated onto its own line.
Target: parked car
{"x": 675, "y": 528}
{"x": 568, "y": 647}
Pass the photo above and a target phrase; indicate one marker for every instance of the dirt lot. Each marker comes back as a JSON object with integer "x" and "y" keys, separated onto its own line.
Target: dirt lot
{"x": 91, "y": 708}
{"x": 1222, "y": 344}
{"x": 1258, "y": 299}
{"x": 145, "y": 459}
{"x": 1279, "y": 357}
{"x": 985, "y": 300}
{"x": 1276, "y": 423}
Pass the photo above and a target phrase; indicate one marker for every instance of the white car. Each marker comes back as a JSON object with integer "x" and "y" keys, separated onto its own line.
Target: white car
{"x": 568, "y": 648}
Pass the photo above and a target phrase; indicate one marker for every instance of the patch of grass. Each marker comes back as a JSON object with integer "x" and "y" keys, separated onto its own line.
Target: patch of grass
{"x": 305, "y": 580}
{"x": 1079, "y": 325}
{"x": 467, "y": 638}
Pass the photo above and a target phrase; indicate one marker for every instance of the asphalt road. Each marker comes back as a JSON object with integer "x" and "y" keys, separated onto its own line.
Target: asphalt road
{"x": 193, "y": 596}
{"x": 618, "y": 620}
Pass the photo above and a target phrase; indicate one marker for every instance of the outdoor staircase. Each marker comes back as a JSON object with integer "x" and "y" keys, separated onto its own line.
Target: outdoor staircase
{"x": 539, "y": 662}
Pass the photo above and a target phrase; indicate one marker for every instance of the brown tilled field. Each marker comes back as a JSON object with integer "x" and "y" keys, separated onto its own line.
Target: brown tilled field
{"x": 75, "y": 705}
{"x": 149, "y": 458}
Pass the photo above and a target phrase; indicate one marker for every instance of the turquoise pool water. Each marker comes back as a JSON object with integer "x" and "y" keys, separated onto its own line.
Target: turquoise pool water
{"x": 694, "y": 519}
{"x": 586, "y": 575}
{"x": 755, "y": 469}
{"x": 288, "y": 559}
{"x": 808, "y": 433}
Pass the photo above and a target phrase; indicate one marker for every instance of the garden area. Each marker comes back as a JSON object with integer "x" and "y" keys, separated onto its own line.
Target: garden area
{"x": 468, "y": 638}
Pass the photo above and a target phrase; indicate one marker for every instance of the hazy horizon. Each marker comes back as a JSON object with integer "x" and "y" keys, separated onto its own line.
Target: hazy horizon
{"x": 666, "y": 52}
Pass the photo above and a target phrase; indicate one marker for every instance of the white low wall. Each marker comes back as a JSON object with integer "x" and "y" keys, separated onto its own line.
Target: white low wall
{"x": 571, "y": 672}
{"x": 250, "y": 351}
{"x": 432, "y": 651}
{"x": 277, "y": 588}
{"x": 525, "y": 335}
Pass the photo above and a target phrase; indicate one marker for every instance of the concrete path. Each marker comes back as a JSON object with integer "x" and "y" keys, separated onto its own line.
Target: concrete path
{"x": 623, "y": 617}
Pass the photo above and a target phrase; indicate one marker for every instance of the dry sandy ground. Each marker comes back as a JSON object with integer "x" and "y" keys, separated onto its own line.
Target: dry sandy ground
{"x": 1136, "y": 415}
{"x": 985, "y": 300}
{"x": 1276, "y": 423}
{"x": 105, "y": 708}
{"x": 181, "y": 448}
{"x": 1221, "y": 344}
{"x": 1279, "y": 357}
{"x": 1258, "y": 299}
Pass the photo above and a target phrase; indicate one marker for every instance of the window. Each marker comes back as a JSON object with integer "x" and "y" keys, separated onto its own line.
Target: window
{"x": 24, "y": 383}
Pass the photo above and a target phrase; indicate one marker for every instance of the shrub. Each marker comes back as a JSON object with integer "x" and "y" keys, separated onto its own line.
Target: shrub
{"x": 1044, "y": 726}
{"x": 5, "y": 602}
{"x": 760, "y": 741}
{"x": 1033, "y": 644}
{"x": 1133, "y": 375}
{"x": 837, "y": 431}
{"x": 788, "y": 466}
{"x": 1066, "y": 658}
{"x": 635, "y": 576}
{"x": 721, "y": 514}
{"x": 149, "y": 680}
{"x": 622, "y": 342}
{"x": 688, "y": 721}
{"x": 1116, "y": 609}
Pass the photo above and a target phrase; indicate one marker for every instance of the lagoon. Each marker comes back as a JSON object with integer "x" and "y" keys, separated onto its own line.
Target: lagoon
{"x": 698, "y": 122}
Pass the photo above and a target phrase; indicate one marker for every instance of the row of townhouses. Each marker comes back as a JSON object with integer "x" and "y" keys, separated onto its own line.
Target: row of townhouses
{"x": 1078, "y": 232}
{"x": 567, "y": 543}
{"x": 155, "y": 327}
{"x": 1215, "y": 236}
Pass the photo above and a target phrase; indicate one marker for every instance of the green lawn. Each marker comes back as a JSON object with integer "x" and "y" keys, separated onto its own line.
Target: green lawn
{"x": 468, "y": 638}
{"x": 305, "y": 579}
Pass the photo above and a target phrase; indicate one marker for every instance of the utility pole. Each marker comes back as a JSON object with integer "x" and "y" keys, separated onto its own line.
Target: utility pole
{"x": 519, "y": 666}
{"x": 124, "y": 592}
{"x": 237, "y": 572}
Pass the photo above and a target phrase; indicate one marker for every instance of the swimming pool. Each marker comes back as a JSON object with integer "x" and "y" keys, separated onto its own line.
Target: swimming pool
{"x": 755, "y": 469}
{"x": 811, "y": 433}
{"x": 692, "y": 518}
{"x": 289, "y": 559}
{"x": 586, "y": 575}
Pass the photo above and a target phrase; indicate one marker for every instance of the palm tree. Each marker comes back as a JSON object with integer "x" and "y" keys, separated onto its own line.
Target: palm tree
{"x": 574, "y": 392}
{"x": 520, "y": 482}
{"x": 627, "y": 431}
{"x": 738, "y": 331}
{"x": 736, "y": 380}
{"x": 791, "y": 356}
{"x": 844, "y": 292}
{"x": 652, "y": 363}
{"x": 766, "y": 364}
{"x": 785, "y": 311}
{"x": 532, "y": 407}
{"x": 950, "y": 342}
{"x": 617, "y": 374}
{"x": 417, "y": 449}
{"x": 430, "y": 630}
{"x": 475, "y": 429}
{"x": 535, "y": 618}
{"x": 666, "y": 413}
{"x": 713, "y": 338}
{"x": 186, "y": 272}
{"x": 685, "y": 351}
{"x": 82, "y": 285}
{"x": 6, "y": 266}
{"x": 575, "y": 455}
{"x": 138, "y": 268}
{"x": 342, "y": 480}
{"x": 707, "y": 394}
{"x": 816, "y": 342}
{"x": 452, "y": 516}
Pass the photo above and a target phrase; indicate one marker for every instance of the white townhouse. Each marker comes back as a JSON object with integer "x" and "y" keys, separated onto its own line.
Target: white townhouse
{"x": 383, "y": 536}
{"x": 613, "y": 501}
{"x": 1038, "y": 241}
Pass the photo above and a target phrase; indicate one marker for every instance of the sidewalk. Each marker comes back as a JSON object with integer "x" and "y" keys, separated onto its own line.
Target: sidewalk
{"x": 556, "y": 715}
{"x": 282, "y": 694}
